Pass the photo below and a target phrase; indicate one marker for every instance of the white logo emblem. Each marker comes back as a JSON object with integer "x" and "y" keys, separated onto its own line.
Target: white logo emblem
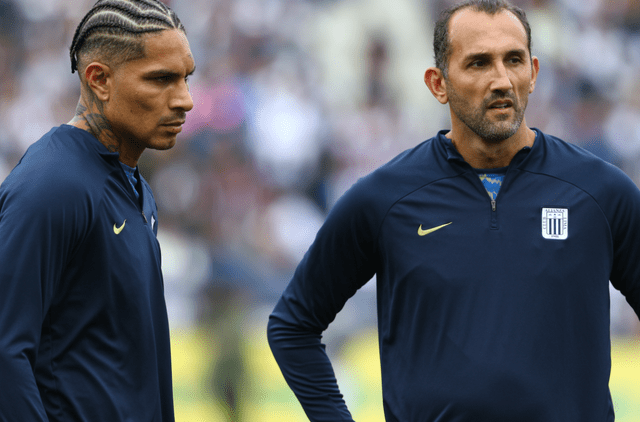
{"x": 555, "y": 223}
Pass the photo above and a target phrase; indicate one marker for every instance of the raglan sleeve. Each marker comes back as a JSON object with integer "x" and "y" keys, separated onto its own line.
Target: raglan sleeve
{"x": 36, "y": 227}
{"x": 625, "y": 231}
{"x": 339, "y": 262}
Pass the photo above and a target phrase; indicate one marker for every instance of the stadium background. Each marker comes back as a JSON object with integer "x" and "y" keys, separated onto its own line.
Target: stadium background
{"x": 294, "y": 100}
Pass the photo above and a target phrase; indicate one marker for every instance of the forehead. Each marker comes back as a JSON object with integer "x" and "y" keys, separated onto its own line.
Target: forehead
{"x": 168, "y": 49}
{"x": 472, "y": 32}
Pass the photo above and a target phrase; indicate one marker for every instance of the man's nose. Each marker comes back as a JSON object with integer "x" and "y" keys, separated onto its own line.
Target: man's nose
{"x": 182, "y": 99}
{"x": 501, "y": 81}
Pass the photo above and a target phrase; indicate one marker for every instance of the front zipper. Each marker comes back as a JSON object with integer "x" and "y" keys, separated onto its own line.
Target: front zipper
{"x": 494, "y": 215}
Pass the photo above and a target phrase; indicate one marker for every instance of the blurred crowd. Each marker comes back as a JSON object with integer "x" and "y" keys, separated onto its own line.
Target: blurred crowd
{"x": 294, "y": 101}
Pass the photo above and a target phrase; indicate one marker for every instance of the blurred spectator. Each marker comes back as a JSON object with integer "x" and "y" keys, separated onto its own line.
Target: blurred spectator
{"x": 586, "y": 117}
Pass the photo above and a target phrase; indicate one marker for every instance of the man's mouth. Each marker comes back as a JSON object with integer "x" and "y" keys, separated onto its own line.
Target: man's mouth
{"x": 502, "y": 104}
{"x": 176, "y": 123}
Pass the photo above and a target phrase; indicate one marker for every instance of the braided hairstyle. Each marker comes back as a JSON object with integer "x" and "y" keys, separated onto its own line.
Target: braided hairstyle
{"x": 113, "y": 30}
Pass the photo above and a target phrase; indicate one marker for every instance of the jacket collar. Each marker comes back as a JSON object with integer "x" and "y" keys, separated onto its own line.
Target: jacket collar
{"x": 453, "y": 155}
{"x": 90, "y": 142}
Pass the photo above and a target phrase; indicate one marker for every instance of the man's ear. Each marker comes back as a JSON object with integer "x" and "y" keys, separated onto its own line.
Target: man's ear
{"x": 535, "y": 68}
{"x": 98, "y": 76}
{"x": 434, "y": 79}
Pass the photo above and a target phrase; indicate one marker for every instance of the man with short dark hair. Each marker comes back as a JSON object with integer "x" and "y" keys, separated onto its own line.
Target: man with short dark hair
{"x": 492, "y": 244}
{"x": 84, "y": 334}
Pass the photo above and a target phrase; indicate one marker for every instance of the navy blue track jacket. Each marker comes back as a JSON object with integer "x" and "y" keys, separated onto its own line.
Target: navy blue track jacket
{"x": 488, "y": 311}
{"x": 84, "y": 333}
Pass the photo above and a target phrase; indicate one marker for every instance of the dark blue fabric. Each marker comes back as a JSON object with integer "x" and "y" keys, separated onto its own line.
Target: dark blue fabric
{"x": 84, "y": 333}
{"x": 486, "y": 318}
{"x": 131, "y": 176}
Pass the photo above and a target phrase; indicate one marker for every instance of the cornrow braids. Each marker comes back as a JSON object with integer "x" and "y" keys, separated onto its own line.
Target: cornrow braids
{"x": 113, "y": 29}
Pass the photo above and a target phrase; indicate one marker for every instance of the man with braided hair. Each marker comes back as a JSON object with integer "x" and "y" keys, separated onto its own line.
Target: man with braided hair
{"x": 84, "y": 332}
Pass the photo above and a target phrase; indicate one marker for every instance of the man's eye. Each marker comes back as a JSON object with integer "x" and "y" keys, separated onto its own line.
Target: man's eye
{"x": 165, "y": 79}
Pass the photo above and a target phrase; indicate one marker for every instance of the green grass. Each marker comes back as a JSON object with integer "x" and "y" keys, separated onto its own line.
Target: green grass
{"x": 263, "y": 396}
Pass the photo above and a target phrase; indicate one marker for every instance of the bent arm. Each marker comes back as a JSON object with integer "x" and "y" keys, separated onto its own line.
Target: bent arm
{"x": 306, "y": 368}
{"x": 625, "y": 218}
{"x": 337, "y": 264}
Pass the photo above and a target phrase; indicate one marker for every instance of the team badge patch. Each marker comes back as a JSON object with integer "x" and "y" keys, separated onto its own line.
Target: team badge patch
{"x": 555, "y": 223}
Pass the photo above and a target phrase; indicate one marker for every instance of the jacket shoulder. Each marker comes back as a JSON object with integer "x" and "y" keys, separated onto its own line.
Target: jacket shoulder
{"x": 575, "y": 165}
{"x": 408, "y": 171}
{"x": 55, "y": 170}
{"x": 369, "y": 200}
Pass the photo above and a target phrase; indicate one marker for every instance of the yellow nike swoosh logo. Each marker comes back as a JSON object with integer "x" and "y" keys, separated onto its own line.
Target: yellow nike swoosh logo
{"x": 426, "y": 232}
{"x": 117, "y": 230}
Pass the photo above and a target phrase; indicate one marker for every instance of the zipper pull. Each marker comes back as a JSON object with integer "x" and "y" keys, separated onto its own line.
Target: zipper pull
{"x": 493, "y": 205}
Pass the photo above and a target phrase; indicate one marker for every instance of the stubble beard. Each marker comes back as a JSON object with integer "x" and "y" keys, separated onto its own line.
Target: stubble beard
{"x": 490, "y": 130}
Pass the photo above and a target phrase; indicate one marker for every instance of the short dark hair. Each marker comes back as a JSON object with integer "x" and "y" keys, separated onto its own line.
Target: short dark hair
{"x": 113, "y": 29}
{"x": 441, "y": 41}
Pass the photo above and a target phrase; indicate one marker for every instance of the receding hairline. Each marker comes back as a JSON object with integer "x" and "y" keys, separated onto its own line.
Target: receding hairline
{"x": 475, "y": 9}
{"x": 441, "y": 33}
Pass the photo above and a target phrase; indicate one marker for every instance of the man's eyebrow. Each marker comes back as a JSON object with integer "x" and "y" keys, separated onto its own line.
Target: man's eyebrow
{"x": 160, "y": 72}
{"x": 476, "y": 56}
{"x": 517, "y": 52}
{"x": 167, "y": 73}
{"x": 486, "y": 56}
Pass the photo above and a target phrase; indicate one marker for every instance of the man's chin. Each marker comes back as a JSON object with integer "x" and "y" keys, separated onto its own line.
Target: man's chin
{"x": 164, "y": 145}
{"x": 498, "y": 133}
